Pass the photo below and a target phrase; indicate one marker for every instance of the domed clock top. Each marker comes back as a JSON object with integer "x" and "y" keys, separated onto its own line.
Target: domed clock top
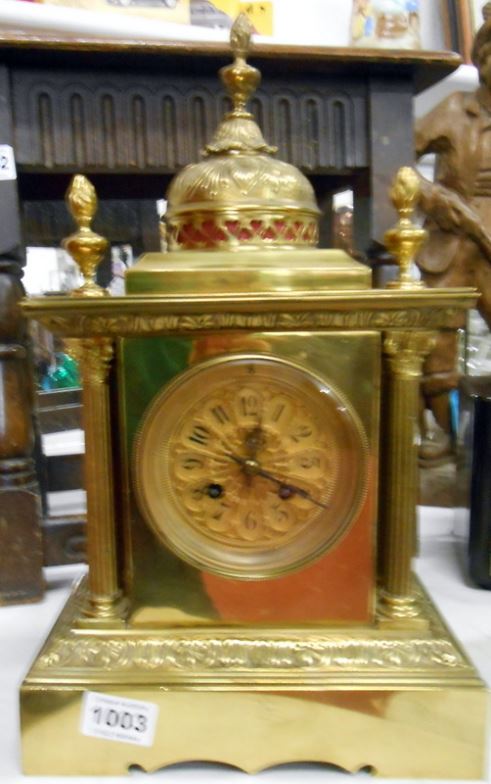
{"x": 240, "y": 196}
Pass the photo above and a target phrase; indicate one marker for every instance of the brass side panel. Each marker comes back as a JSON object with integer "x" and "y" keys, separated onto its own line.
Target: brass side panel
{"x": 162, "y": 589}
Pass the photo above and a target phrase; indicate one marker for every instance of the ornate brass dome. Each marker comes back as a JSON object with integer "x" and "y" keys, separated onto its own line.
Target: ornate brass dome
{"x": 240, "y": 196}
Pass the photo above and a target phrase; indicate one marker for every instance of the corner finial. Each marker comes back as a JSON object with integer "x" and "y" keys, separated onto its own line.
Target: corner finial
{"x": 405, "y": 239}
{"x": 85, "y": 246}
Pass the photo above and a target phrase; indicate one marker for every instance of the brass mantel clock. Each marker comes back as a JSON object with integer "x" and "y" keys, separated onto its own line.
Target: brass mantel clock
{"x": 250, "y": 415}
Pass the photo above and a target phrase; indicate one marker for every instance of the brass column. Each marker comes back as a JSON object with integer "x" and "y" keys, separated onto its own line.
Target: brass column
{"x": 405, "y": 352}
{"x": 104, "y": 593}
{"x": 95, "y": 354}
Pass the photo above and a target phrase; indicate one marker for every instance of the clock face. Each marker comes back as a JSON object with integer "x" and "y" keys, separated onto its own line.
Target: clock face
{"x": 250, "y": 466}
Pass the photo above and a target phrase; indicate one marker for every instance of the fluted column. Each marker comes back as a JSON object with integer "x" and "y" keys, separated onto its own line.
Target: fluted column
{"x": 405, "y": 352}
{"x": 104, "y": 601}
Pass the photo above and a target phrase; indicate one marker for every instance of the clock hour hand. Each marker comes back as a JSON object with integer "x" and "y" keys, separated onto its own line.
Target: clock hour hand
{"x": 252, "y": 468}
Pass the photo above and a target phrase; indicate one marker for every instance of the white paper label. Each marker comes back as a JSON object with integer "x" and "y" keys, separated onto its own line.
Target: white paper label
{"x": 7, "y": 163}
{"x": 118, "y": 718}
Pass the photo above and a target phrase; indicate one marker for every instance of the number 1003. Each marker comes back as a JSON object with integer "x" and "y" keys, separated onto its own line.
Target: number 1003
{"x": 124, "y": 720}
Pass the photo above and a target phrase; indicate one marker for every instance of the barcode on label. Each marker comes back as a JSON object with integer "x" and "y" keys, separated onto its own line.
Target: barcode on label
{"x": 119, "y": 719}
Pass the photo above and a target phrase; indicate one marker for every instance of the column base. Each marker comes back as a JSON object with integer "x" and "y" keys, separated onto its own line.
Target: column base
{"x": 103, "y": 612}
{"x": 402, "y": 612}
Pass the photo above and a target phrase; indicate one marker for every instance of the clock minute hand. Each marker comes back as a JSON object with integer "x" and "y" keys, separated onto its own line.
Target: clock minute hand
{"x": 253, "y": 468}
{"x": 293, "y": 488}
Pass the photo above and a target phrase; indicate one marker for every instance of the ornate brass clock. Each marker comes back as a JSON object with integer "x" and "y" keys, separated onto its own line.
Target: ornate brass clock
{"x": 250, "y": 413}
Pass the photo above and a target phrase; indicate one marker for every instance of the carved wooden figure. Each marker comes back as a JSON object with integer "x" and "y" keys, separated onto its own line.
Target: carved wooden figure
{"x": 458, "y": 206}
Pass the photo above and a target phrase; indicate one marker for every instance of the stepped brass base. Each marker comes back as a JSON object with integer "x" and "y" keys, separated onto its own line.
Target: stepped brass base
{"x": 405, "y": 704}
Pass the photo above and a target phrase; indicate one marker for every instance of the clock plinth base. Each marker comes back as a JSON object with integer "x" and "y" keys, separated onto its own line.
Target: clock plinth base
{"x": 402, "y": 703}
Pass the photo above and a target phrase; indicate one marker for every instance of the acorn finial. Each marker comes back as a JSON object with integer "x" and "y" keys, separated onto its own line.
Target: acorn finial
{"x": 405, "y": 239}
{"x": 85, "y": 246}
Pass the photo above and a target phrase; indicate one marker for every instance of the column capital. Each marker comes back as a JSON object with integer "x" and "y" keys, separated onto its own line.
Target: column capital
{"x": 95, "y": 355}
{"x": 406, "y": 350}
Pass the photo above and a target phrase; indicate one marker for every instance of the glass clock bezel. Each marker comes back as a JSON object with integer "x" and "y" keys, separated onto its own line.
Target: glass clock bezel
{"x": 168, "y": 522}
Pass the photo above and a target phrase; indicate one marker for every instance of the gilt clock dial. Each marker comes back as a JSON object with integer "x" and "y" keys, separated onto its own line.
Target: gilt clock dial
{"x": 250, "y": 466}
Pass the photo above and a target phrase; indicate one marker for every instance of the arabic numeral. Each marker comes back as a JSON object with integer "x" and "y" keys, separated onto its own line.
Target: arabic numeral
{"x": 250, "y": 522}
{"x": 191, "y": 463}
{"x": 141, "y": 723}
{"x": 280, "y": 407}
{"x": 302, "y": 431}
{"x": 249, "y": 406}
{"x": 220, "y": 415}
{"x": 221, "y": 511}
{"x": 200, "y": 435}
{"x": 112, "y": 718}
{"x": 309, "y": 461}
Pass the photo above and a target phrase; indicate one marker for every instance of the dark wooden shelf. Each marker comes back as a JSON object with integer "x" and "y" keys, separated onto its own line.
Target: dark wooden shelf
{"x": 426, "y": 67}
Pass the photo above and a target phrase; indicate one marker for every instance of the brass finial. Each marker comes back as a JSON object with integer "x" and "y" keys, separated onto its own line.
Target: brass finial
{"x": 85, "y": 246}
{"x": 405, "y": 239}
{"x": 238, "y": 131}
{"x": 240, "y": 79}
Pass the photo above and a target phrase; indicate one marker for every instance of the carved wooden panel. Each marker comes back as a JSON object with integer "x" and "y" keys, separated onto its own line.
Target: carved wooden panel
{"x": 134, "y": 222}
{"x": 112, "y": 121}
